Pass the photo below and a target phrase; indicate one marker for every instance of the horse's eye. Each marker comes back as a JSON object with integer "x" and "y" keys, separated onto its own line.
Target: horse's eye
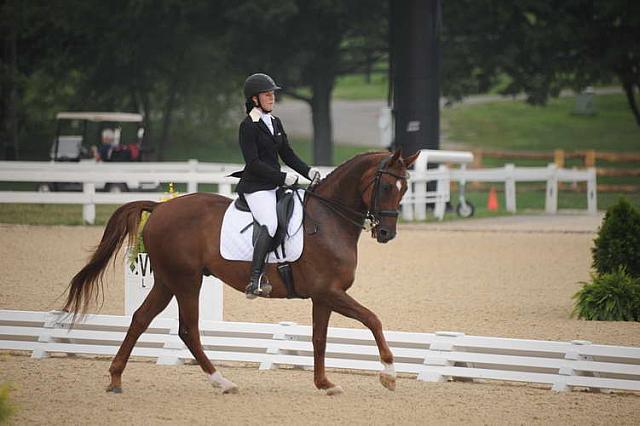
{"x": 386, "y": 186}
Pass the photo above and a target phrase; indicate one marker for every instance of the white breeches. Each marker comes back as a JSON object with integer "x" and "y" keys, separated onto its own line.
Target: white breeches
{"x": 263, "y": 208}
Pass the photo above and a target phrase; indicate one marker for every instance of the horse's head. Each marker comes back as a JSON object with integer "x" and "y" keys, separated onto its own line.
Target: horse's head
{"x": 384, "y": 184}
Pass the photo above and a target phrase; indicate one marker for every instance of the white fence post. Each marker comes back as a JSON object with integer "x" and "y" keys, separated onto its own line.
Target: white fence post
{"x": 89, "y": 207}
{"x": 274, "y": 347}
{"x": 175, "y": 345}
{"x": 192, "y": 185}
{"x": 50, "y": 322}
{"x": 443, "y": 188}
{"x": 420, "y": 189}
{"x": 592, "y": 189}
{"x": 510, "y": 188}
{"x": 420, "y": 205}
{"x": 407, "y": 207}
{"x": 551, "y": 199}
{"x": 438, "y": 356}
{"x": 573, "y": 358}
{"x": 224, "y": 189}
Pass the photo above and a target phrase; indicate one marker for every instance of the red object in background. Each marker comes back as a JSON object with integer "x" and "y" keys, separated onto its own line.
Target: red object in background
{"x": 492, "y": 201}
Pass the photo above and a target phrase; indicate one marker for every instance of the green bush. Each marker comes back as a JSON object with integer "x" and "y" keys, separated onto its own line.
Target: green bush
{"x": 618, "y": 241}
{"x": 611, "y": 296}
{"x": 5, "y": 407}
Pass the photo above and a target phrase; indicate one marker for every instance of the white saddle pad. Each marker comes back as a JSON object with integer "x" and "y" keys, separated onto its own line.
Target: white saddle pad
{"x": 235, "y": 245}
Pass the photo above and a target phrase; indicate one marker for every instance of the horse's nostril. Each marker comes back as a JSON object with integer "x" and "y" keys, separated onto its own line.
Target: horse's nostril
{"x": 384, "y": 232}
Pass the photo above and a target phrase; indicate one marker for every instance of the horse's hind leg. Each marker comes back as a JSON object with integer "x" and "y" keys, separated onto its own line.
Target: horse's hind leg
{"x": 346, "y": 305}
{"x": 189, "y": 332}
{"x": 155, "y": 302}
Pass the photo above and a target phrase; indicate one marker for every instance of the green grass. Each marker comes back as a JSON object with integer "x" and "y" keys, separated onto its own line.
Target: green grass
{"x": 51, "y": 214}
{"x": 515, "y": 125}
{"x": 6, "y": 407}
{"x": 354, "y": 87}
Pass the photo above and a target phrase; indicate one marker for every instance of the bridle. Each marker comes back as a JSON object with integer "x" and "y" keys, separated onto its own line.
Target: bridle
{"x": 369, "y": 220}
{"x": 375, "y": 214}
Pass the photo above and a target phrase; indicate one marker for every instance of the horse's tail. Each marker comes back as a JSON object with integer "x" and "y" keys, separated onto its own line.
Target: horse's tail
{"x": 84, "y": 285}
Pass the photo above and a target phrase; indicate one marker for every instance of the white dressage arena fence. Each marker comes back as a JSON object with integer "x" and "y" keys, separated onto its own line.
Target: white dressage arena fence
{"x": 434, "y": 357}
{"x": 93, "y": 175}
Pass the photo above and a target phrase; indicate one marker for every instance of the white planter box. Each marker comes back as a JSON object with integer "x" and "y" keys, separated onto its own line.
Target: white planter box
{"x": 138, "y": 281}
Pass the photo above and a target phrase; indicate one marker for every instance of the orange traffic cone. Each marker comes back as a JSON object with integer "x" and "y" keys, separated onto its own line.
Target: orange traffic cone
{"x": 492, "y": 201}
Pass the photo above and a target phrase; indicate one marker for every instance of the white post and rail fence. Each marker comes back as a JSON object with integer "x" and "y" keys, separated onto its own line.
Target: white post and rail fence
{"x": 91, "y": 176}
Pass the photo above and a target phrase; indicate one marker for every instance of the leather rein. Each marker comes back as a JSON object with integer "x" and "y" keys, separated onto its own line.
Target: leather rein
{"x": 373, "y": 214}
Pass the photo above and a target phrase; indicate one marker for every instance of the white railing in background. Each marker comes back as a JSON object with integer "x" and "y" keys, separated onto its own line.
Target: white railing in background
{"x": 192, "y": 173}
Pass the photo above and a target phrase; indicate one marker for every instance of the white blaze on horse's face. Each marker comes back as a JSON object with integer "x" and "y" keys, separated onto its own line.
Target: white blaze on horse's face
{"x": 399, "y": 185}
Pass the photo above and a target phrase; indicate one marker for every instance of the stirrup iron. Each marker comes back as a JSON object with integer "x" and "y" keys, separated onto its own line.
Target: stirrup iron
{"x": 263, "y": 289}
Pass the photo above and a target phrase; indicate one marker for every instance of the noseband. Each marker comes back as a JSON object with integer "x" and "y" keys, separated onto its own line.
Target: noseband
{"x": 374, "y": 215}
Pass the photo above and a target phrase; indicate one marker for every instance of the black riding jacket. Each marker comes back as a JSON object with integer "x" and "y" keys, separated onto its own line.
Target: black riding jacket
{"x": 260, "y": 150}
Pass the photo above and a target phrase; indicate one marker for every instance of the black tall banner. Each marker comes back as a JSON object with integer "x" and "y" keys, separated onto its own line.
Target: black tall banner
{"x": 415, "y": 67}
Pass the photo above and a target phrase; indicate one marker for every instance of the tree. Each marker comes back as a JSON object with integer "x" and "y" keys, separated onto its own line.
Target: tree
{"x": 613, "y": 46}
{"x": 151, "y": 56}
{"x": 541, "y": 46}
{"x": 155, "y": 57}
{"x": 23, "y": 49}
{"x": 306, "y": 46}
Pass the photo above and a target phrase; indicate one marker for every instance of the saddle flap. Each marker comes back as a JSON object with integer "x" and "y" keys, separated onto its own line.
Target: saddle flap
{"x": 241, "y": 204}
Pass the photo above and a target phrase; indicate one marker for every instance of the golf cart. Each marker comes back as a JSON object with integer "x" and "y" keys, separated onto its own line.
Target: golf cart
{"x": 90, "y": 137}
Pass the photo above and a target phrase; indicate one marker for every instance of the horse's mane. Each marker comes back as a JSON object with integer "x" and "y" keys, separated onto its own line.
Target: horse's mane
{"x": 348, "y": 164}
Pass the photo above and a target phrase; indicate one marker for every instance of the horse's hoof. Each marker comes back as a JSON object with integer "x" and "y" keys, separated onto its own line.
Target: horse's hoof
{"x": 114, "y": 389}
{"x": 388, "y": 381}
{"x": 335, "y": 390}
{"x": 230, "y": 390}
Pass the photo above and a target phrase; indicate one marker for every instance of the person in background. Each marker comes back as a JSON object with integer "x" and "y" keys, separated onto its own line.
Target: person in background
{"x": 103, "y": 152}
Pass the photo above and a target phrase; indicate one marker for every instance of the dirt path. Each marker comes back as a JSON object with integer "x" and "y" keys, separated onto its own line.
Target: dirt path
{"x": 484, "y": 282}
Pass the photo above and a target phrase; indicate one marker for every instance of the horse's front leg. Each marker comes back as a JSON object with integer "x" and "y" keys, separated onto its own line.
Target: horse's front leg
{"x": 321, "y": 314}
{"x": 346, "y": 305}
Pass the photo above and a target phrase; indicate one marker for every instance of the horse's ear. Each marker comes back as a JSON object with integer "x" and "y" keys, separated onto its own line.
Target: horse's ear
{"x": 396, "y": 154}
{"x": 408, "y": 161}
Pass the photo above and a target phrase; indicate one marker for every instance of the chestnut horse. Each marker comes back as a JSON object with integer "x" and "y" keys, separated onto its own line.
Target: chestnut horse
{"x": 182, "y": 238}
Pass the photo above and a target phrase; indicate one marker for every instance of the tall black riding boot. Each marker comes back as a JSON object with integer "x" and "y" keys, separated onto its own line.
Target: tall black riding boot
{"x": 260, "y": 251}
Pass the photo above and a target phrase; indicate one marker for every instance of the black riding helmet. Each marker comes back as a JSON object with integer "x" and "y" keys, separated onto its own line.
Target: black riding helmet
{"x": 258, "y": 83}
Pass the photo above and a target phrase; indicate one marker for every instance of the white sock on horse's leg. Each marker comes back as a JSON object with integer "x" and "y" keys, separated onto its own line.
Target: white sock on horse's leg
{"x": 216, "y": 379}
{"x": 389, "y": 369}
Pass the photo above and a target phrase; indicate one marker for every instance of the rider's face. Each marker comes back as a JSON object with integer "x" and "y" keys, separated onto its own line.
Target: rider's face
{"x": 267, "y": 100}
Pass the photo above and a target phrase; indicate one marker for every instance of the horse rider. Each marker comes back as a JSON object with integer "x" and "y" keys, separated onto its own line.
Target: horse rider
{"x": 262, "y": 139}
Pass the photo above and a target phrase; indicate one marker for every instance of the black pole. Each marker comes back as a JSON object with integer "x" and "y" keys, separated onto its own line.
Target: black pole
{"x": 415, "y": 54}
